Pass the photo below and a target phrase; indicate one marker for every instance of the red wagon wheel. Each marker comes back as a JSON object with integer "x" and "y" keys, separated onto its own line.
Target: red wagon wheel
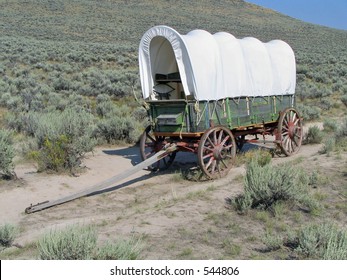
{"x": 216, "y": 152}
{"x": 290, "y": 131}
{"x": 150, "y": 145}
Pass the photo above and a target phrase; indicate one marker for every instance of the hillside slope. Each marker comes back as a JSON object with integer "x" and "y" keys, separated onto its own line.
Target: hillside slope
{"x": 125, "y": 21}
{"x": 105, "y": 34}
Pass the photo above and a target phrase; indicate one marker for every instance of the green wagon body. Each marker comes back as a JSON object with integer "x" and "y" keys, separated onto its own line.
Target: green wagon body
{"x": 183, "y": 116}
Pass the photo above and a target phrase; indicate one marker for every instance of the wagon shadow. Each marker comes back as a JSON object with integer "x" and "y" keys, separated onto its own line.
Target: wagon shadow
{"x": 132, "y": 153}
{"x": 123, "y": 185}
{"x": 186, "y": 163}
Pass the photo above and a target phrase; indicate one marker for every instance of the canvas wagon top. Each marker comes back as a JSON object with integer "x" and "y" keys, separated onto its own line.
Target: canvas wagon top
{"x": 213, "y": 67}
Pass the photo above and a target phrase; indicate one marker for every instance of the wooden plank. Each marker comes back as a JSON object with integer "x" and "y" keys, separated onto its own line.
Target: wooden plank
{"x": 179, "y": 134}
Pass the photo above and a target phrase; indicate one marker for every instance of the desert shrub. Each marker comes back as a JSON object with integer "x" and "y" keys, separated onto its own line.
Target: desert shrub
{"x": 71, "y": 243}
{"x": 330, "y": 125}
{"x": 267, "y": 185}
{"x": 80, "y": 243}
{"x": 341, "y": 135}
{"x": 325, "y": 104}
{"x": 121, "y": 249}
{"x": 272, "y": 241}
{"x": 344, "y": 99}
{"x": 261, "y": 156}
{"x": 7, "y": 235}
{"x": 309, "y": 113}
{"x": 342, "y": 130}
{"x": 105, "y": 109}
{"x": 140, "y": 114}
{"x": 6, "y": 154}
{"x": 328, "y": 146}
{"x": 117, "y": 128}
{"x": 62, "y": 138}
{"x": 314, "y": 135}
{"x": 324, "y": 241}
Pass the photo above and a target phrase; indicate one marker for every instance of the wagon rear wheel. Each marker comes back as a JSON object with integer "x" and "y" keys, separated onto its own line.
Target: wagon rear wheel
{"x": 150, "y": 145}
{"x": 216, "y": 152}
{"x": 290, "y": 131}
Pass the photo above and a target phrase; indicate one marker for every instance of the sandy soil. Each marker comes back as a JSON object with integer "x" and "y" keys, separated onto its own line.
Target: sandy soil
{"x": 178, "y": 218}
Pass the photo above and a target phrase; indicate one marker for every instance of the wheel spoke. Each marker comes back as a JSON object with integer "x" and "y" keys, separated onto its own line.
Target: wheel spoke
{"x": 208, "y": 148}
{"x": 228, "y": 147}
{"x": 225, "y": 139}
{"x": 293, "y": 116}
{"x": 214, "y": 138}
{"x": 151, "y": 138}
{"x": 296, "y": 122}
{"x": 213, "y": 167}
{"x": 220, "y": 137}
{"x": 209, "y": 163}
{"x": 224, "y": 163}
{"x": 208, "y": 155}
{"x": 210, "y": 141}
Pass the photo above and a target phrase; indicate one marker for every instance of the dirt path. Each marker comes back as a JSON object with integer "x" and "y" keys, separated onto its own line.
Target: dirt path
{"x": 178, "y": 218}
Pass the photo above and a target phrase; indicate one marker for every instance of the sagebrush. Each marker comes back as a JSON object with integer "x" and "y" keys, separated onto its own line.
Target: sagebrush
{"x": 80, "y": 243}
{"x": 7, "y": 235}
{"x": 324, "y": 241}
{"x": 264, "y": 186}
{"x": 7, "y": 154}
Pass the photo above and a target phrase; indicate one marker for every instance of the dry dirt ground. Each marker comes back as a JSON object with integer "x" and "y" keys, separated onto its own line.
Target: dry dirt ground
{"x": 176, "y": 217}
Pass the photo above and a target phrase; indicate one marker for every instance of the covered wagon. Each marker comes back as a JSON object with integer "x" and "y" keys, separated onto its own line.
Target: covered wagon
{"x": 205, "y": 93}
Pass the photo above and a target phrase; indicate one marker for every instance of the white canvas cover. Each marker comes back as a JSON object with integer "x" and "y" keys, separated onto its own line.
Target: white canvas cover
{"x": 214, "y": 67}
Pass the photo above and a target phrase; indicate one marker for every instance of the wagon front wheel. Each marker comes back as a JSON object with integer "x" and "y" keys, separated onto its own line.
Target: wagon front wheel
{"x": 216, "y": 152}
{"x": 290, "y": 132}
{"x": 150, "y": 145}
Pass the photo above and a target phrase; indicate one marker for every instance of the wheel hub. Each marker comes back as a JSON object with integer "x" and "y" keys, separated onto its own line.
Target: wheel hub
{"x": 219, "y": 152}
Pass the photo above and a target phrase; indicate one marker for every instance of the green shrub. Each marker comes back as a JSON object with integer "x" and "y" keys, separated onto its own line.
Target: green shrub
{"x": 71, "y": 243}
{"x": 7, "y": 235}
{"x": 80, "y": 243}
{"x": 117, "y": 129}
{"x": 344, "y": 99}
{"x": 342, "y": 130}
{"x": 330, "y": 125}
{"x": 6, "y": 154}
{"x": 328, "y": 146}
{"x": 261, "y": 156}
{"x": 314, "y": 135}
{"x": 272, "y": 241}
{"x": 341, "y": 135}
{"x": 267, "y": 185}
{"x": 324, "y": 241}
{"x": 120, "y": 250}
{"x": 325, "y": 104}
{"x": 62, "y": 138}
{"x": 140, "y": 114}
{"x": 309, "y": 113}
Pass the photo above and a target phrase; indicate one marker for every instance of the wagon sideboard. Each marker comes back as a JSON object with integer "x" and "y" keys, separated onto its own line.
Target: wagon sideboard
{"x": 182, "y": 117}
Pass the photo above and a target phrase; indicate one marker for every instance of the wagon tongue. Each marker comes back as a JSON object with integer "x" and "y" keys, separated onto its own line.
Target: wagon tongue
{"x": 107, "y": 183}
